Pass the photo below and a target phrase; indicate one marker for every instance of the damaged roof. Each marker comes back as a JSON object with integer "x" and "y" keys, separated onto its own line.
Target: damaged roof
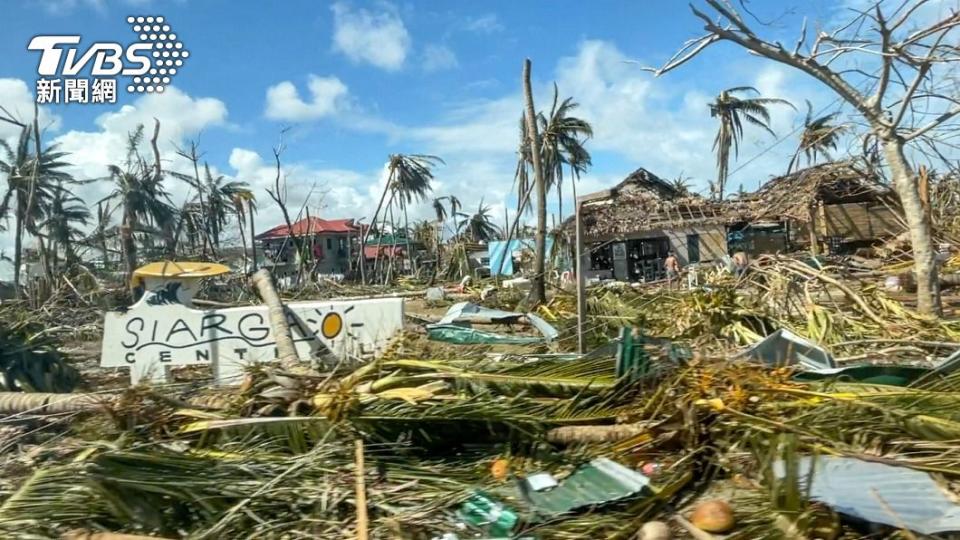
{"x": 642, "y": 202}
{"x": 792, "y": 195}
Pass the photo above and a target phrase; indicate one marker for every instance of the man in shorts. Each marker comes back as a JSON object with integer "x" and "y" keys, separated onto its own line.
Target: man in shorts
{"x": 672, "y": 266}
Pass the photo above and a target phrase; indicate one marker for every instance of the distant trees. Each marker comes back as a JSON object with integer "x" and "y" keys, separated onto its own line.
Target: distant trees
{"x": 479, "y": 227}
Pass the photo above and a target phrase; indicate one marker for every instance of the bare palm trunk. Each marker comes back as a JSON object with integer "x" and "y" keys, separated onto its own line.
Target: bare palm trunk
{"x": 18, "y": 246}
{"x": 203, "y": 213}
{"x": 129, "y": 245}
{"x": 373, "y": 222}
{"x": 406, "y": 237}
{"x": 918, "y": 222}
{"x": 253, "y": 241}
{"x": 243, "y": 237}
{"x": 538, "y": 293}
{"x": 393, "y": 234}
{"x": 286, "y": 350}
{"x": 560, "y": 201}
{"x": 383, "y": 226}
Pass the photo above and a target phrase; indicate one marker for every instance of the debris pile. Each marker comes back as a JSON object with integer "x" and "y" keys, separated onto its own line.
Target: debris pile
{"x": 682, "y": 422}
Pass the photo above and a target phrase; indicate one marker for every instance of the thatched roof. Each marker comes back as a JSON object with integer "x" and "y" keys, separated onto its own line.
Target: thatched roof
{"x": 790, "y": 197}
{"x": 644, "y": 202}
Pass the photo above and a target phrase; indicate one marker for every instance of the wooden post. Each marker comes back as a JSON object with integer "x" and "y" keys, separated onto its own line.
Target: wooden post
{"x": 814, "y": 246}
{"x": 361, "y": 493}
{"x": 578, "y": 265}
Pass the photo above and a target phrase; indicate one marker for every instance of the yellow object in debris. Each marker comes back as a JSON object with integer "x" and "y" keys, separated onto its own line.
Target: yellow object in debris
{"x": 173, "y": 269}
{"x": 500, "y": 468}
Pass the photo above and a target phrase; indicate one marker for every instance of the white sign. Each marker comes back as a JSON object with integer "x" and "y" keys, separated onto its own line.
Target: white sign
{"x": 159, "y": 333}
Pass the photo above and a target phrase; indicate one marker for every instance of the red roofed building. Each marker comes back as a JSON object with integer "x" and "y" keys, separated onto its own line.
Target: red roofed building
{"x": 328, "y": 243}
{"x": 311, "y": 226}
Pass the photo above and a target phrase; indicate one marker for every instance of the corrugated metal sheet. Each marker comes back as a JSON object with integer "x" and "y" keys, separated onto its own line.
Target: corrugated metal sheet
{"x": 784, "y": 348}
{"x": 879, "y": 493}
{"x": 597, "y": 482}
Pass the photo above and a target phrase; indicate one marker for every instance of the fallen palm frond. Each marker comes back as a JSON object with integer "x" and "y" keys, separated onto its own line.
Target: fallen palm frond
{"x": 29, "y": 359}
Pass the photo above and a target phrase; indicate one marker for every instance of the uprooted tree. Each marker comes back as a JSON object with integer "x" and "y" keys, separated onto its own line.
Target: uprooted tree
{"x": 894, "y": 66}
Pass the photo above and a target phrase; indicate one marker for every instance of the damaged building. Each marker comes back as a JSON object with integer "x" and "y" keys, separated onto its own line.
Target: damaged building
{"x": 630, "y": 228}
{"x": 832, "y": 207}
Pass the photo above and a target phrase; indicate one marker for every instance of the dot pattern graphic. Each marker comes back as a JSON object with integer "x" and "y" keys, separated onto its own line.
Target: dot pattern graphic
{"x": 167, "y": 52}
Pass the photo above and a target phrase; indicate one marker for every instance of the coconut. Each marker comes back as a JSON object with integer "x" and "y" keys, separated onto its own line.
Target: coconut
{"x": 654, "y": 530}
{"x": 500, "y": 468}
{"x": 713, "y": 516}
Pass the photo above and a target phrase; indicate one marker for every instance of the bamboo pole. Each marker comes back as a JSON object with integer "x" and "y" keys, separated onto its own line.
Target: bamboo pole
{"x": 286, "y": 350}
{"x": 362, "y": 520}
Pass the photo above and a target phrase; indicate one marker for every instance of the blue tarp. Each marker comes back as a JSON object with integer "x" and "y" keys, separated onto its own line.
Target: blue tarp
{"x": 496, "y": 249}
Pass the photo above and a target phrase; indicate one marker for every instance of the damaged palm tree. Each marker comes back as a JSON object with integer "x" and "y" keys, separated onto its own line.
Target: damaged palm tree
{"x": 910, "y": 104}
{"x": 29, "y": 360}
{"x": 286, "y": 349}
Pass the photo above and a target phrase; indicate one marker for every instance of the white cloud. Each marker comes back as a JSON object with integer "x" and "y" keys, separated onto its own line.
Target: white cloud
{"x": 64, "y": 7}
{"x": 17, "y": 99}
{"x": 284, "y": 101}
{"x": 328, "y": 193}
{"x": 181, "y": 116}
{"x": 377, "y": 38}
{"x": 485, "y": 24}
{"x": 438, "y": 57}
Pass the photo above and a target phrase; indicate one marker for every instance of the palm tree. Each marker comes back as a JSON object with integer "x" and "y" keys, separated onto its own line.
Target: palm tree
{"x": 562, "y": 143}
{"x": 220, "y": 201}
{"x": 480, "y": 227}
{"x": 423, "y": 234}
{"x": 562, "y": 140}
{"x": 440, "y": 211}
{"x": 98, "y": 237}
{"x": 408, "y": 179}
{"x": 66, "y": 216}
{"x": 455, "y": 206}
{"x": 243, "y": 201}
{"x": 140, "y": 193}
{"x": 682, "y": 184}
{"x": 732, "y": 111}
{"x": 819, "y": 136}
{"x": 29, "y": 187}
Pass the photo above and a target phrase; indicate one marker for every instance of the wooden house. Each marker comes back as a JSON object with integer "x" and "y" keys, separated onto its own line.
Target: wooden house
{"x": 837, "y": 205}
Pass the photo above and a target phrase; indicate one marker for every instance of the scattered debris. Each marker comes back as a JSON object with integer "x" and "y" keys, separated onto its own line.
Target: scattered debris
{"x": 879, "y": 493}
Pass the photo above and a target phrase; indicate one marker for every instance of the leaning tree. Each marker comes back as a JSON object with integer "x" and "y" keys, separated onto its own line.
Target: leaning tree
{"x": 893, "y": 63}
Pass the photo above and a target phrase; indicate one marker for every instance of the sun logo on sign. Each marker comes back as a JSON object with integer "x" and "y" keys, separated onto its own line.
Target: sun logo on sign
{"x": 331, "y": 326}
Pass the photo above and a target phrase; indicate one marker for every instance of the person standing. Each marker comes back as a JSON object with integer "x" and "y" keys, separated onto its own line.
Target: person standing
{"x": 741, "y": 262}
{"x": 672, "y": 266}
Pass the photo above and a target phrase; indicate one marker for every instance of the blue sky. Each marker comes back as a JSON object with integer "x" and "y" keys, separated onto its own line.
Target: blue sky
{"x": 355, "y": 81}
